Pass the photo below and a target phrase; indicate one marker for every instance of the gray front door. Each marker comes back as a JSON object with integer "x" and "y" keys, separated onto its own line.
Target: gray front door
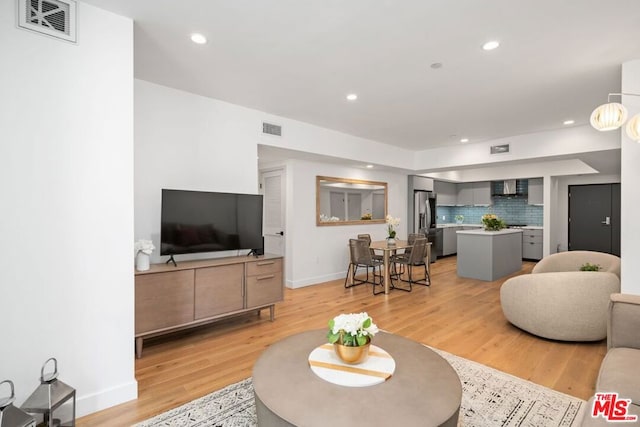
{"x": 594, "y": 218}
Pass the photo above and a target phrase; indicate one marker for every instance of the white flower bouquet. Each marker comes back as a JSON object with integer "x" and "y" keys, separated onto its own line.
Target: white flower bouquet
{"x": 392, "y": 223}
{"x": 144, "y": 246}
{"x": 351, "y": 329}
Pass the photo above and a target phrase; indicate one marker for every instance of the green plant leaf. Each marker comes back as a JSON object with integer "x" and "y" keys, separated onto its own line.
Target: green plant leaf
{"x": 333, "y": 338}
{"x": 589, "y": 267}
{"x": 362, "y": 340}
{"x": 366, "y": 323}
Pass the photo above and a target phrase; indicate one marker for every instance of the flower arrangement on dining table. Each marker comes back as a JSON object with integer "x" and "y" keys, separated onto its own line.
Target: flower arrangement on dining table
{"x": 352, "y": 329}
{"x": 491, "y": 222}
{"x": 392, "y": 223}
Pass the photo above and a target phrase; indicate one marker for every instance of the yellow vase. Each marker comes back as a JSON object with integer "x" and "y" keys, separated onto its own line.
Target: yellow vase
{"x": 352, "y": 355}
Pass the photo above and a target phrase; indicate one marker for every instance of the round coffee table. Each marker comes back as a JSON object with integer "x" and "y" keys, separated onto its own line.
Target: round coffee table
{"x": 424, "y": 390}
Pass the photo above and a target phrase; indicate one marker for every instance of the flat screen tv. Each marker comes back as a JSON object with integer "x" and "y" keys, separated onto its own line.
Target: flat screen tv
{"x": 201, "y": 221}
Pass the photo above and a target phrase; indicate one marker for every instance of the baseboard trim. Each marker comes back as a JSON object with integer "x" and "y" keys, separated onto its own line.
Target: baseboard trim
{"x": 293, "y": 284}
{"x": 88, "y": 404}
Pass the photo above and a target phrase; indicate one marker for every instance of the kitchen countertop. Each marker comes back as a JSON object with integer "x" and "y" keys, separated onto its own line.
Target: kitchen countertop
{"x": 491, "y": 233}
{"x": 524, "y": 227}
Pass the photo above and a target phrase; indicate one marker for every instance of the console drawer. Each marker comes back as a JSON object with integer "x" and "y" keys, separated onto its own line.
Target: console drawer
{"x": 264, "y": 289}
{"x": 268, "y": 266}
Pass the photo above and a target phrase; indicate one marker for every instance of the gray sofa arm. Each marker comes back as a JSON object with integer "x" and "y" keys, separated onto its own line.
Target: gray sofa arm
{"x": 623, "y": 326}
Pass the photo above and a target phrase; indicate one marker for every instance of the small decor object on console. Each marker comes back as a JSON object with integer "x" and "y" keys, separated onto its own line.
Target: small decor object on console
{"x": 351, "y": 336}
{"x": 143, "y": 249}
{"x": 492, "y": 222}
{"x": 392, "y": 223}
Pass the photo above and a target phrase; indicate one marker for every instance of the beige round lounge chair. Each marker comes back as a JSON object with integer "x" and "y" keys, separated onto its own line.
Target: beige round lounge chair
{"x": 558, "y": 301}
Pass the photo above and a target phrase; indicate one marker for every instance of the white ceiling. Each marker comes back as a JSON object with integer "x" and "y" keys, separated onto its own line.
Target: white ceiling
{"x": 299, "y": 58}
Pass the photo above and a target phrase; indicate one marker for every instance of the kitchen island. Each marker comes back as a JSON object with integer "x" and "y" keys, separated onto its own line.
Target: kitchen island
{"x": 489, "y": 255}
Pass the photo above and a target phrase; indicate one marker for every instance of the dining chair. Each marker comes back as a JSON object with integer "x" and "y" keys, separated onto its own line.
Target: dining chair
{"x": 411, "y": 238}
{"x": 367, "y": 237}
{"x": 415, "y": 258}
{"x": 360, "y": 256}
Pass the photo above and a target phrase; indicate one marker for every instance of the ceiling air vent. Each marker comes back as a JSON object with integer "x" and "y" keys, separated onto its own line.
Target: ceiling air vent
{"x": 271, "y": 129}
{"x": 55, "y": 18}
{"x": 499, "y": 149}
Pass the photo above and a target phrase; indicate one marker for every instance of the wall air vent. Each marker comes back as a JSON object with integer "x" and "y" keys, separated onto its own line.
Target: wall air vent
{"x": 55, "y": 18}
{"x": 271, "y": 129}
{"x": 499, "y": 149}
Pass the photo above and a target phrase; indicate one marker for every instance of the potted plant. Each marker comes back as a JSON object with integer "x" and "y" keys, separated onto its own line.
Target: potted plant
{"x": 351, "y": 336}
{"x": 392, "y": 223}
{"x": 143, "y": 248}
{"x": 459, "y": 219}
{"x": 590, "y": 267}
{"x": 492, "y": 223}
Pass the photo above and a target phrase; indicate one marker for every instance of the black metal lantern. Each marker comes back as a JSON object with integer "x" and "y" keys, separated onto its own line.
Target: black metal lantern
{"x": 10, "y": 416}
{"x": 50, "y": 395}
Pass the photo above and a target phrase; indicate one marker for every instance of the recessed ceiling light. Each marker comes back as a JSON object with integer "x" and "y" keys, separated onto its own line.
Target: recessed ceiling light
{"x": 464, "y": 140}
{"x": 352, "y": 97}
{"x": 369, "y": 166}
{"x": 493, "y": 44}
{"x": 198, "y": 38}
{"x": 568, "y": 122}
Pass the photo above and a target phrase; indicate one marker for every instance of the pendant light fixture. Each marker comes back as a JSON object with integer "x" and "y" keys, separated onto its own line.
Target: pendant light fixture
{"x": 613, "y": 115}
{"x": 633, "y": 128}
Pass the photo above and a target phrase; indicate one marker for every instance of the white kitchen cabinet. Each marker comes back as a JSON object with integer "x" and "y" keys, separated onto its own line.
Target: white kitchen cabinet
{"x": 482, "y": 193}
{"x": 450, "y": 240}
{"x": 446, "y": 193}
{"x": 465, "y": 194}
{"x": 474, "y": 193}
{"x": 536, "y": 194}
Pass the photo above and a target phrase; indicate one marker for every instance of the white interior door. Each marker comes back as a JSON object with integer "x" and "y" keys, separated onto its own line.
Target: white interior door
{"x": 273, "y": 191}
{"x": 378, "y": 206}
{"x": 338, "y": 207}
{"x": 354, "y": 206}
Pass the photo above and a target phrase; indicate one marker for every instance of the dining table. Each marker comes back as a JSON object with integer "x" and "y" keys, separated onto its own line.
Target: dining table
{"x": 389, "y": 249}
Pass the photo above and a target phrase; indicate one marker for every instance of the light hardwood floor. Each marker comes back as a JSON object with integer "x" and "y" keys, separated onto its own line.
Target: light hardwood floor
{"x": 461, "y": 316}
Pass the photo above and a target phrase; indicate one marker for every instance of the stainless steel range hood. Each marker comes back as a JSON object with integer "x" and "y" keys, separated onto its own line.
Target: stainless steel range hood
{"x": 509, "y": 187}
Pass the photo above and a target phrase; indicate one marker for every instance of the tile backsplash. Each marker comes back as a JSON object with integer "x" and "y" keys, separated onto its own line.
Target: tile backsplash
{"x": 513, "y": 211}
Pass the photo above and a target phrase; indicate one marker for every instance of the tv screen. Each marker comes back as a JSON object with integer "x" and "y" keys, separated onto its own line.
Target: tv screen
{"x": 200, "y": 221}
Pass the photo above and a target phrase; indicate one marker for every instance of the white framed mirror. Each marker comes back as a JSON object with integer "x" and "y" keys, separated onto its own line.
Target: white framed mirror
{"x": 345, "y": 201}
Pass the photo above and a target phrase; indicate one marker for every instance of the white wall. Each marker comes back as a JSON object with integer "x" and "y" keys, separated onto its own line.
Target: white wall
{"x": 630, "y": 230}
{"x": 186, "y": 141}
{"x": 309, "y": 138}
{"x": 189, "y": 142}
{"x": 539, "y": 145}
{"x": 316, "y": 254}
{"x": 66, "y": 162}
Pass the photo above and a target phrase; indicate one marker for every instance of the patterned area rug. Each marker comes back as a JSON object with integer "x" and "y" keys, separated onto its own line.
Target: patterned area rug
{"x": 489, "y": 398}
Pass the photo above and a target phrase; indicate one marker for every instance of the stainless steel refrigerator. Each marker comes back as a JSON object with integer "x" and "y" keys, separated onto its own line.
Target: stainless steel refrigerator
{"x": 424, "y": 220}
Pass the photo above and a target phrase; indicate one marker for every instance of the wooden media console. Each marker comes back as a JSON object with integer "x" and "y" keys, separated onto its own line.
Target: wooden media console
{"x": 170, "y": 298}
